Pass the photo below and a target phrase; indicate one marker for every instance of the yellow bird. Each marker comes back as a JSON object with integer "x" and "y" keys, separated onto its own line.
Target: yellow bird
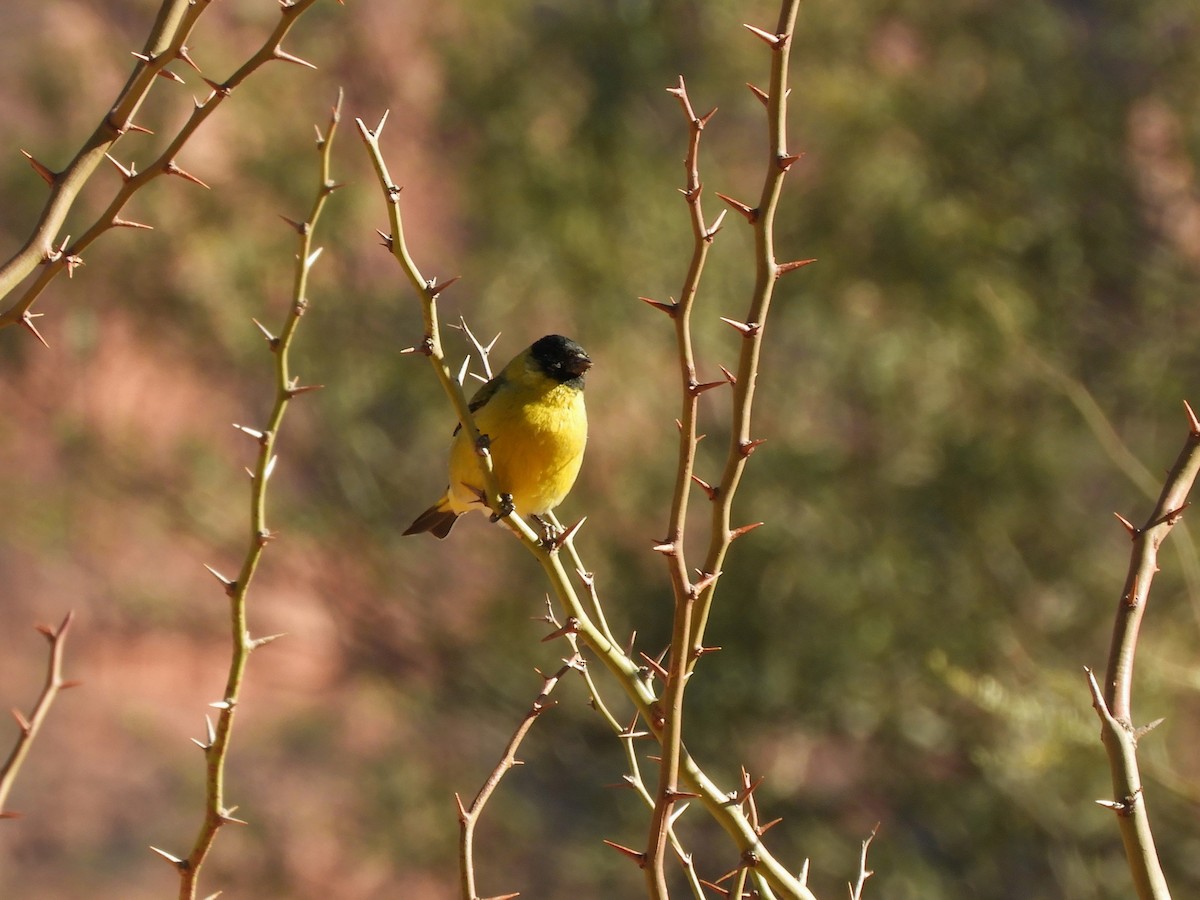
{"x": 533, "y": 416}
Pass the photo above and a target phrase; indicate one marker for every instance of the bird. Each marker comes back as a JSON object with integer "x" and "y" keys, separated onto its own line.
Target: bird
{"x": 535, "y": 424}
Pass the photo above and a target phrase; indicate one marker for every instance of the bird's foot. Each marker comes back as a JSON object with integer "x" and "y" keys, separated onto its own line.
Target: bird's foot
{"x": 549, "y": 532}
{"x": 505, "y": 509}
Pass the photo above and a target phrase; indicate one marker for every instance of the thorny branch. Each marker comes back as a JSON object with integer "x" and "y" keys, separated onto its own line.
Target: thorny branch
{"x": 167, "y": 44}
{"x": 215, "y": 745}
{"x": 693, "y": 600}
{"x": 31, "y": 724}
{"x": 468, "y": 816}
{"x": 1112, "y": 701}
{"x": 769, "y": 873}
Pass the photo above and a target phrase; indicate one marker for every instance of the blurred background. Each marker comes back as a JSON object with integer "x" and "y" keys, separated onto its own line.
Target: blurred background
{"x": 987, "y": 361}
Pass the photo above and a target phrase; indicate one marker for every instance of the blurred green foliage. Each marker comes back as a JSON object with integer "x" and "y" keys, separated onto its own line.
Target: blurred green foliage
{"x": 1003, "y": 201}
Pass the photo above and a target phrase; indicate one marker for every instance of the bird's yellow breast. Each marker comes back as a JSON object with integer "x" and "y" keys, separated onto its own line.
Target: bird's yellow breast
{"x": 537, "y": 430}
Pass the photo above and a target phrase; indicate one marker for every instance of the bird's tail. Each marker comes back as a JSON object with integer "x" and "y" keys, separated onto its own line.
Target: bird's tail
{"x": 438, "y": 519}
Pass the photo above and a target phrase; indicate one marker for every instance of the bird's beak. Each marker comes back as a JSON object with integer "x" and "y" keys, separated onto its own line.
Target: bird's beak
{"x": 579, "y": 363}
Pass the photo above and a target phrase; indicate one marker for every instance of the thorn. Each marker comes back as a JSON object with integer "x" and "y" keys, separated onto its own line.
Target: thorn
{"x": 1133, "y": 530}
{"x": 747, "y": 787}
{"x": 271, "y": 339}
{"x": 712, "y": 492}
{"x": 263, "y": 641}
{"x": 784, "y": 268}
{"x": 300, "y": 227}
{"x": 671, "y": 309}
{"x": 785, "y": 162}
{"x": 700, "y": 651}
{"x": 295, "y": 390}
{"x": 748, "y": 447}
{"x": 230, "y": 585}
{"x": 125, "y": 173}
{"x": 22, "y": 722}
{"x": 173, "y": 169}
{"x": 1115, "y": 805}
{"x": 209, "y": 730}
{"x": 252, "y": 432}
{"x": 703, "y": 120}
{"x": 676, "y": 795}
{"x": 568, "y": 533}
{"x": 714, "y": 887}
{"x": 774, "y": 41}
{"x": 706, "y": 579}
{"x": 570, "y": 627}
{"x": 631, "y": 731}
{"x": 675, "y": 815}
{"x": 738, "y": 532}
{"x": 639, "y": 858}
{"x": 655, "y": 665}
{"x": 758, "y": 92}
{"x": 749, "y": 212}
{"x": 178, "y": 862}
{"x": 729, "y": 376}
{"x": 716, "y": 226}
{"x": 626, "y": 782}
{"x": 227, "y": 818}
{"x": 284, "y": 56}
{"x": 10, "y": 815}
{"x": 382, "y": 121}
{"x": 169, "y": 75}
{"x": 65, "y": 624}
{"x": 1193, "y": 422}
{"x": 183, "y": 54}
{"x": 665, "y": 547}
{"x": 118, "y": 222}
{"x": 1140, "y": 733}
{"x": 747, "y": 329}
{"x": 763, "y": 829}
{"x": 133, "y": 127}
{"x": 27, "y": 323}
{"x": 697, "y": 389}
{"x": 72, "y": 263}
{"x": 47, "y": 175}
{"x": 435, "y": 290}
{"x": 221, "y": 704}
{"x": 199, "y": 743}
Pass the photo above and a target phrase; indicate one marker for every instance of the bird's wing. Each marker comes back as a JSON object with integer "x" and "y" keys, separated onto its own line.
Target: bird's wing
{"x": 482, "y": 396}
